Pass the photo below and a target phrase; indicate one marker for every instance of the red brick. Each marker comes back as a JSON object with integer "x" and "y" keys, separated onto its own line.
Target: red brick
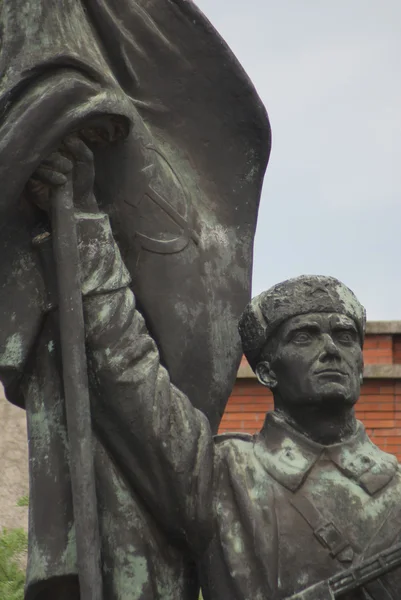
{"x": 376, "y": 416}
{"x": 375, "y": 406}
{"x": 379, "y": 423}
{"x": 393, "y": 440}
{"x": 370, "y": 342}
{"x": 252, "y": 391}
{"x": 379, "y": 352}
{"x": 379, "y": 359}
{"x": 249, "y": 407}
{"x": 386, "y": 432}
{"x": 397, "y": 349}
{"x": 371, "y": 387}
{"x": 387, "y": 388}
{"x": 396, "y": 450}
{"x": 378, "y": 398}
{"x": 241, "y": 417}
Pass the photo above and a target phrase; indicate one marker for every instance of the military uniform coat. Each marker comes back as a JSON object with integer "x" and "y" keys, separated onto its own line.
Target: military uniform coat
{"x": 263, "y": 516}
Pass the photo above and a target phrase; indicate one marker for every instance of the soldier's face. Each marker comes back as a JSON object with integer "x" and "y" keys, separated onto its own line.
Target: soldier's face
{"x": 318, "y": 359}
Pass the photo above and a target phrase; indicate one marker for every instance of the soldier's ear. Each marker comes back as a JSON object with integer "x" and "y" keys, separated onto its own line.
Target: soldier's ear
{"x": 266, "y": 375}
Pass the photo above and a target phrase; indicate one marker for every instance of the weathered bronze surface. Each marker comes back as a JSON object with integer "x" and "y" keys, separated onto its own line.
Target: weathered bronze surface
{"x": 135, "y": 118}
{"x": 180, "y": 142}
{"x": 181, "y": 182}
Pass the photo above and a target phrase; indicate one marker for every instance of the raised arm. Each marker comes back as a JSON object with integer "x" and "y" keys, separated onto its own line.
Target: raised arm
{"x": 159, "y": 441}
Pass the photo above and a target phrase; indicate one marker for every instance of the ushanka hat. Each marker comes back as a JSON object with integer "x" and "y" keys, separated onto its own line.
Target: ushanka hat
{"x": 298, "y": 296}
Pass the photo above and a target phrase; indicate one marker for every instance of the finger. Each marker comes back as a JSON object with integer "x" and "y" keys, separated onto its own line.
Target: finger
{"x": 58, "y": 162}
{"x": 78, "y": 149}
{"x": 36, "y": 187}
{"x": 39, "y": 194}
{"x": 50, "y": 177}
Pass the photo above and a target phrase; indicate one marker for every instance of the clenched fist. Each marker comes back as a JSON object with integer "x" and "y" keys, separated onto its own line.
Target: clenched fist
{"x": 72, "y": 160}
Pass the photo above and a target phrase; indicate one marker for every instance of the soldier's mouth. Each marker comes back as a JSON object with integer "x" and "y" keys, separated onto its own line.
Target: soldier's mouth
{"x": 331, "y": 372}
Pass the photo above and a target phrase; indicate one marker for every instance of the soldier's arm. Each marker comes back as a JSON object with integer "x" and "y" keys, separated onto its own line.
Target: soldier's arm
{"x": 162, "y": 443}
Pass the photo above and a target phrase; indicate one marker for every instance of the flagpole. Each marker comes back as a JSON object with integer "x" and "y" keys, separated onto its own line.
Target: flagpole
{"x": 76, "y": 392}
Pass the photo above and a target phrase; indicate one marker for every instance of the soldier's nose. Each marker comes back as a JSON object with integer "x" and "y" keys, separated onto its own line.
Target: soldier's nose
{"x": 329, "y": 349}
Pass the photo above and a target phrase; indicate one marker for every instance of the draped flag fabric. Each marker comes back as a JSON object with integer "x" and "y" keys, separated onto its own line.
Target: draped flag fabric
{"x": 180, "y": 178}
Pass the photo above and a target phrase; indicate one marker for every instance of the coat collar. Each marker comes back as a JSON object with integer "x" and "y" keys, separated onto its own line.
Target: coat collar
{"x": 288, "y": 456}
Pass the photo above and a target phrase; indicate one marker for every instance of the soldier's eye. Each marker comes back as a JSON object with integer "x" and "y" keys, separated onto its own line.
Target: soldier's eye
{"x": 346, "y": 337}
{"x": 301, "y": 337}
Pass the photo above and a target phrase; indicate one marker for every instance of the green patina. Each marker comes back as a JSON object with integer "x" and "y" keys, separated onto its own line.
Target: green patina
{"x": 40, "y": 431}
{"x": 132, "y": 575}
{"x": 38, "y": 561}
{"x": 69, "y": 556}
{"x": 13, "y": 350}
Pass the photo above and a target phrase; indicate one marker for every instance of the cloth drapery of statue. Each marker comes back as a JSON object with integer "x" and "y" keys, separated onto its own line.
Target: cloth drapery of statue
{"x": 183, "y": 187}
{"x": 181, "y": 183}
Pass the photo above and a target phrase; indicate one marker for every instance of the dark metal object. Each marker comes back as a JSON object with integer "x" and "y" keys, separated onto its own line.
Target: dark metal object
{"x": 76, "y": 390}
{"x": 183, "y": 201}
{"x": 182, "y": 192}
{"x": 353, "y": 578}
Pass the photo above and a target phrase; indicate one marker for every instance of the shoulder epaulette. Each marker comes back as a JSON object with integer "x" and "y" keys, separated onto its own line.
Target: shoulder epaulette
{"x": 233, "y": 435}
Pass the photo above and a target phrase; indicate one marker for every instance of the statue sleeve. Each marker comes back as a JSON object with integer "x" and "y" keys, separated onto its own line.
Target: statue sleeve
{"x": 160, "y": 442}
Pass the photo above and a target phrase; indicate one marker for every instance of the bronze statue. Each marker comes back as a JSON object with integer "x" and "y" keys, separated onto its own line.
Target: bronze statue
{"x": 180, "y": 142}
{"x": 133, "y": 149}
{"x": 307, "y": 508}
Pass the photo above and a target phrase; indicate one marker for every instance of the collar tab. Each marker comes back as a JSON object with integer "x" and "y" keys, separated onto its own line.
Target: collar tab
{"x": 288, "y": 456}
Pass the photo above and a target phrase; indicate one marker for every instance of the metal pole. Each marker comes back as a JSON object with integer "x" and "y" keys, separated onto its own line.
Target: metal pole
{"x": 76, "y": 391}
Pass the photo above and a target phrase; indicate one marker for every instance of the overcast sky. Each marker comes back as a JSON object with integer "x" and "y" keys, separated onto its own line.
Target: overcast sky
{"x": 329, "y": 75}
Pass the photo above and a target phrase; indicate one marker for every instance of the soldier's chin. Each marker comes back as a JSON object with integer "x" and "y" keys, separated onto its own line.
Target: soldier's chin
{"x": 335, "y": 393}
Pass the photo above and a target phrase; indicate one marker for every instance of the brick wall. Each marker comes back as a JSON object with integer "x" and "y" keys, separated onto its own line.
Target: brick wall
{"x": 379, "y": 406}
{"x": 378, "y": 349}
{"x": 397, "y": 349}
{"x": 13, "y": 466}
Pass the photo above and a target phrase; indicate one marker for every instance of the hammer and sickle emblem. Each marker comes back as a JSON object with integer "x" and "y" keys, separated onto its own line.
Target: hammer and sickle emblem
{"x": 164, "y": 227}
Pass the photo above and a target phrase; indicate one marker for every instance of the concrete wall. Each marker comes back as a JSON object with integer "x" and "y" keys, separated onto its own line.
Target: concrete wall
{"x": 13, "y": 465}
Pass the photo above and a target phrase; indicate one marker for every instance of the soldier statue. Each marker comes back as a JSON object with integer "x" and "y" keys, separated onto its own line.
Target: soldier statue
{"x": 264, "y": 516}
{"x": 132, "y": 153}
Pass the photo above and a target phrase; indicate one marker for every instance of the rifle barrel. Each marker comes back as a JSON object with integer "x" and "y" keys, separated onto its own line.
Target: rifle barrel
{"x": 370, "y": 569}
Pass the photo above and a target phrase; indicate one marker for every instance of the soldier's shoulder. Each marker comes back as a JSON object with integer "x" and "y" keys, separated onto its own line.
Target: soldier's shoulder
{"x": 235, "y": 452}
{"x": 233, "y": 436}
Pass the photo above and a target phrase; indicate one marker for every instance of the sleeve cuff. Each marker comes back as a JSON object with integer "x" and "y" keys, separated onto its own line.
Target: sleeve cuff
{"x": 102, "y": 268}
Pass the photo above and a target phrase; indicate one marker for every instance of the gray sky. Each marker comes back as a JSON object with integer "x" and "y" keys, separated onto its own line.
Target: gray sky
{"x": 329, "y": 75}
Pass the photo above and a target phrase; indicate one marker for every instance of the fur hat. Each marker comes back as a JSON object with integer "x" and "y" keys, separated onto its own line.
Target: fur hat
{"x": 298, "y": 296}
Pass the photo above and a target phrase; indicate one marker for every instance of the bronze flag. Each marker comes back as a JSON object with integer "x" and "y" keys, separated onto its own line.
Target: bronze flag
{"x": 181, "y": 181}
